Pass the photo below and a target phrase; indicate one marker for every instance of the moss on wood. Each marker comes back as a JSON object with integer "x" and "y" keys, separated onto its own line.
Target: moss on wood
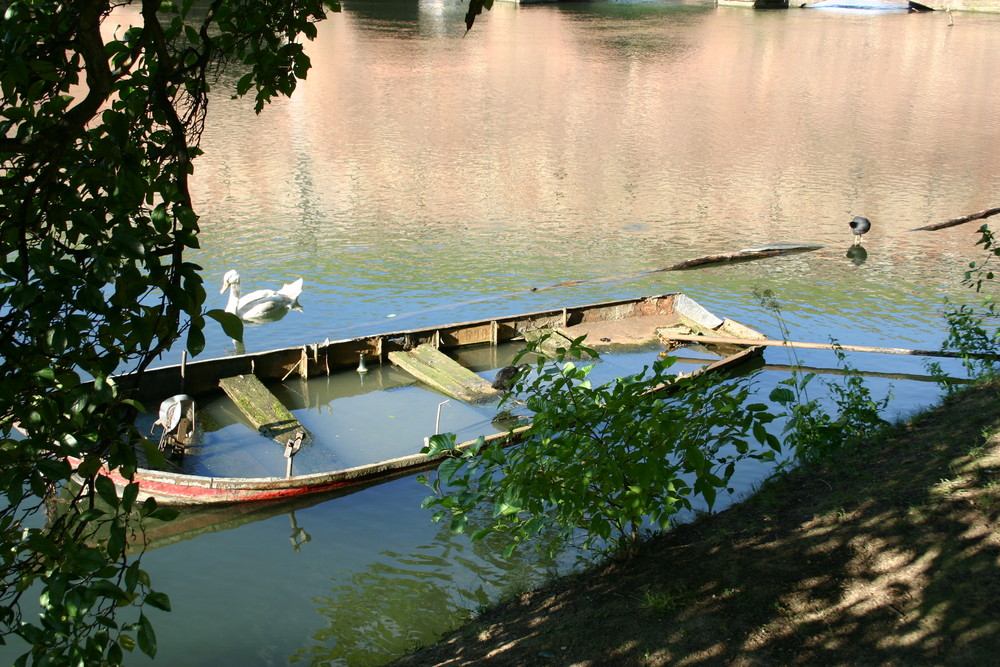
{"x": 432, "y": 367}
{"x": 262, "y": 408}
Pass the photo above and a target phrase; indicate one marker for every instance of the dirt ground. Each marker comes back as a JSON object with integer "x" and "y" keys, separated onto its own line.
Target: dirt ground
{"x": 886, "y": 556}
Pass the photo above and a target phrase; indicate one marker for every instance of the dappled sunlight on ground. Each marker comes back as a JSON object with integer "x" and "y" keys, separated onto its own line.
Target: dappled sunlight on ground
{"x": 888, "y": 556}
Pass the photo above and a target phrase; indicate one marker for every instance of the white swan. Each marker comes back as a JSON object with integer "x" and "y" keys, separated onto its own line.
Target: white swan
{"x": 262, "y": 304}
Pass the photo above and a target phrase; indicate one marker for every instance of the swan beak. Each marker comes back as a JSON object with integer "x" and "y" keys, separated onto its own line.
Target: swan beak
{"x": 225, "y": 286}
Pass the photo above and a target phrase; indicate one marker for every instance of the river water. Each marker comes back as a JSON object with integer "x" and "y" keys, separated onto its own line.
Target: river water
{"x": 423, "y": 176}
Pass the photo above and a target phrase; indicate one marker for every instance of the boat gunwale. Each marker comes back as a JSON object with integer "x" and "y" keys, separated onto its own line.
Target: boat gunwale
{"x": 205, "y": 488}
{"x": 281, "y": 362}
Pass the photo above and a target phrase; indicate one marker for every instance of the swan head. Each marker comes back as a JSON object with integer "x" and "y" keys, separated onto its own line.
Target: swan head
{"x": 232, "y": 278}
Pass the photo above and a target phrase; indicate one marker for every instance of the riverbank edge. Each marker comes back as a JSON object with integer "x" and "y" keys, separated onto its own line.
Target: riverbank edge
{"x": 888, "y": 554}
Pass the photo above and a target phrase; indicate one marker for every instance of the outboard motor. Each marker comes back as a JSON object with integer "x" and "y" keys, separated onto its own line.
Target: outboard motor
{"x": 177, "y": 419}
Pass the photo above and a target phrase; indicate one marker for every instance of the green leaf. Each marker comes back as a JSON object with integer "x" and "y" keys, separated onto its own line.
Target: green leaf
{"x": 129, "y": 494}
{"x": 106, "y": 490}
{"x": 782, "y": 395}
{"x": 449, "y": 468}
{"x": 439, "y": 444}
{"x": 195, "y": 341}
{"x": 108, "y": 589}
{"x": 458, "y": 523}
{"x": 160, "y": 219}
{"x": 132, "y": 577}
{"x": 709, "y": 494}
{"x": 148, "y": 507}
{"x": 165, "y": 514}
{"x": 232, "y": 325}
{"x": 116, "y": 540}
{"x": 158, "y": 600}
{"x": 146, "y": 636}
{"x": 507, "y": 509}
{"x": 154, "y": 457}
{"x": 115, "y": 655}
{"x": 245, "y": 83}
{"x": 479, "y": 534}
{"x": 187, "y": 217}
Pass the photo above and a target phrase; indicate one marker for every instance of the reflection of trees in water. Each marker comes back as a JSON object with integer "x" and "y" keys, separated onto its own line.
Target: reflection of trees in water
{"x": 409, "y": 600}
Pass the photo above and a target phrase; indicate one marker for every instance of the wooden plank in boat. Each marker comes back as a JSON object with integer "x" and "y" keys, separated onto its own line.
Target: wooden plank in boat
{"x": 262, "y": 408}
{"x": 432, "y": 367}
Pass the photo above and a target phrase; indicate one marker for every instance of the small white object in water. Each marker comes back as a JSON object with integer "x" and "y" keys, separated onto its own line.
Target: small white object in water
{"x": 391, "y": 315}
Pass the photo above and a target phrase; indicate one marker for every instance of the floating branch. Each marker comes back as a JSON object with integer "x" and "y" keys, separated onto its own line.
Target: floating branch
{"x": 958, "y": 221}
{"x": 760, "y": 252}
{"x": 745, "y": 255}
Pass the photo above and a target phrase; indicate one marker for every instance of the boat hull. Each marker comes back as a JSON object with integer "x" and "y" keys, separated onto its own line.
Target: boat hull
{"x": 180, "y": 489}
{"x": 608, "y": 324}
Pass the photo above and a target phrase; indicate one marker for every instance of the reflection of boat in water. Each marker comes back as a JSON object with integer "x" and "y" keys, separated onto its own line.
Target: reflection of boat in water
{"x": 196, "y": 520}
{"x": 888, "y": 6}
{"x": 612, "y": 328}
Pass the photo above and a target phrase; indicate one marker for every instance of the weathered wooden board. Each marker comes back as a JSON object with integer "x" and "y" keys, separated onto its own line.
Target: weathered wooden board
{"x": 263, "y": 408}
{"x": 432, "y": 367}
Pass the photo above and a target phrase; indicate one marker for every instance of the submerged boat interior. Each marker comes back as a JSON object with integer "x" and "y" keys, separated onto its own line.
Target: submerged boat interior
{"x": 356, "y": 414}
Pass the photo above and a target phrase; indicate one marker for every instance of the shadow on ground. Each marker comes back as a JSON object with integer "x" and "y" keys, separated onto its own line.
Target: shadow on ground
{"x": 886, "y": 556}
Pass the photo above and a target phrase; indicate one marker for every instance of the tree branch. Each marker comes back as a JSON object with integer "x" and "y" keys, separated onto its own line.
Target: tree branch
{"x": 100, "y": 83}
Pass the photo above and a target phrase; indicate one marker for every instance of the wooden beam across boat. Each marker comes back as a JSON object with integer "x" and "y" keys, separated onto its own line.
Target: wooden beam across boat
{"x": 265, "y": 412}
{"x": 729, "y": 340}
{"x": 434, "y": 368}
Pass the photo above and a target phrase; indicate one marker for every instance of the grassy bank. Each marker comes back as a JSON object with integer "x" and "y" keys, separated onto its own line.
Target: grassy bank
{"x": 886, "y": 555}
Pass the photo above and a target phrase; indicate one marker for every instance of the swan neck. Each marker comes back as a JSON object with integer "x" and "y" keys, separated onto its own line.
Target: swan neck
{"x": 234, "y": 298}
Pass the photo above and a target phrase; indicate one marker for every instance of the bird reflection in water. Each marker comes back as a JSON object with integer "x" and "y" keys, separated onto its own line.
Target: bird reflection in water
{"x": 857, "y": 254}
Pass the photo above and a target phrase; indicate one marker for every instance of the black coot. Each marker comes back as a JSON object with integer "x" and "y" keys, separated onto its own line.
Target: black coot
{"x": 859, "y": 226}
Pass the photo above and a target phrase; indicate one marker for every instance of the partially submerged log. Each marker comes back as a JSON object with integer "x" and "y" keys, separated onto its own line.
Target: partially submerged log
{"x": 747, "y": 254}
{"x": 263, "y": 409}
{"x": 958, "y": 221}
{"x": 434, "y": 368}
